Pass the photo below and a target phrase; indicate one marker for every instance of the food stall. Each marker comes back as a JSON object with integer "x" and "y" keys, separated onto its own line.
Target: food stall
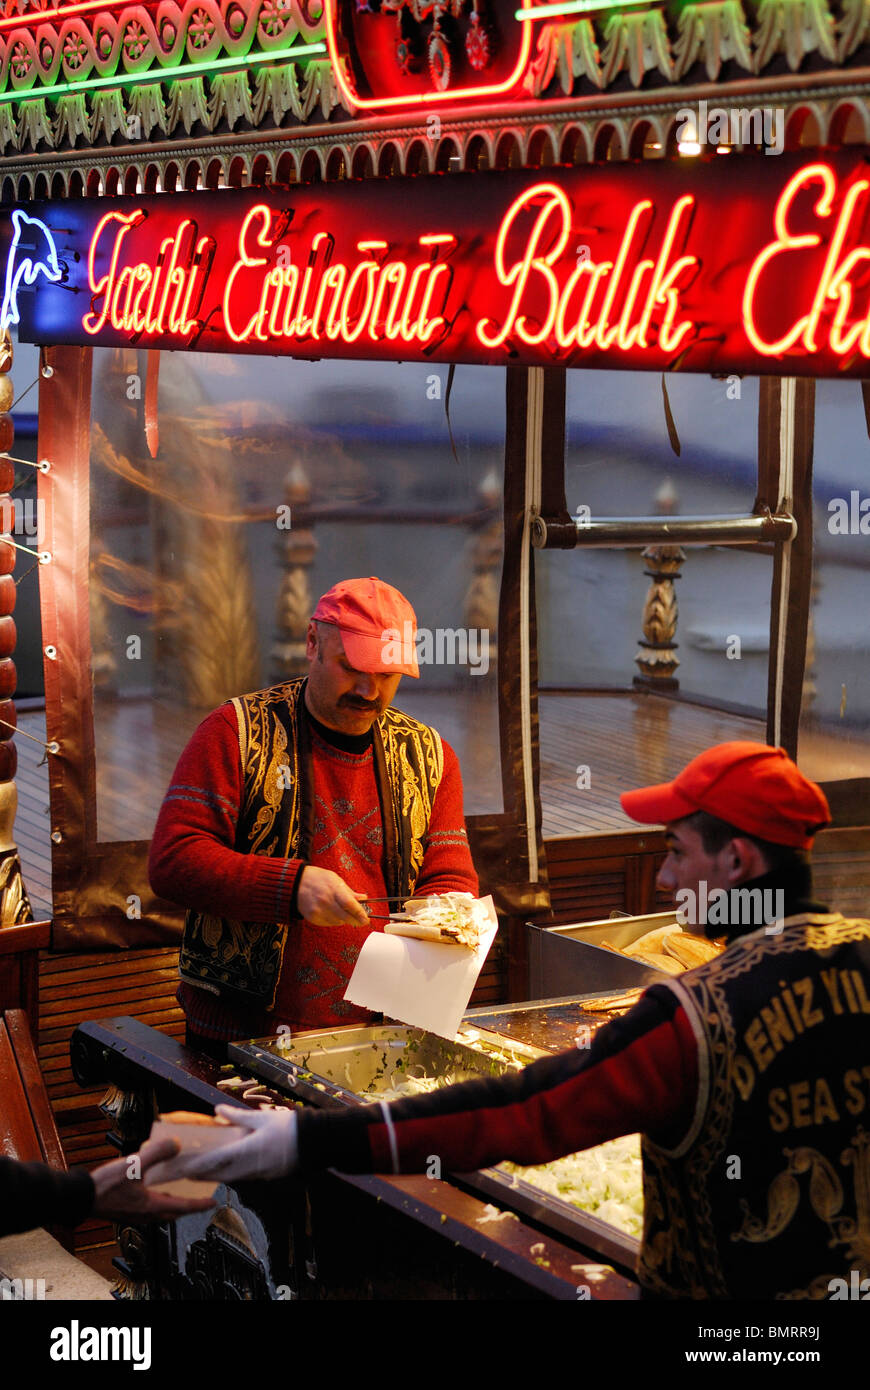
{"x": 332, "y": 275}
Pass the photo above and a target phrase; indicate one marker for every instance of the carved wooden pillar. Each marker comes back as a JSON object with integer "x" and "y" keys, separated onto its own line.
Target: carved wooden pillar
{"x": 297, "y": 547}
{"x": 657, "y": 657}
{"x": 14, "y": 904}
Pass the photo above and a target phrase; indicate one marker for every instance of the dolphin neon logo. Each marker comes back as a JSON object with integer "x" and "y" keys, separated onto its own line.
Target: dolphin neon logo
{"x": 34, "y": 239}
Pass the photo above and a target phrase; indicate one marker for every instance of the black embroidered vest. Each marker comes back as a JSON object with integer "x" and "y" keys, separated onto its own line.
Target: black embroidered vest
{"x": 241, "y": 961}
{"x": 769, "y": 1194}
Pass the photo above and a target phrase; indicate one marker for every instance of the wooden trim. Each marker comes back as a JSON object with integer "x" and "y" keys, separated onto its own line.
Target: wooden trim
{"x": 849, "y": 800}
{"x": 30, "y": 936}
{"x": 64, "y": 439}
{"x": 34, "y": 1086}
{"x": 618, "y": 844}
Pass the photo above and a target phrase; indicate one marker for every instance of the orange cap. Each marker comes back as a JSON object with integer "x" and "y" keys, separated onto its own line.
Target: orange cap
{"x": 377, "y": 624}
{"x": 754, "y": 787}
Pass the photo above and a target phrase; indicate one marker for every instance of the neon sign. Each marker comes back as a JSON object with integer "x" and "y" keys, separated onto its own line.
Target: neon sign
{"x": 423, "y": 52}
{"x": 713, "y": 269}
{"x": 28, "y": 235}
{"x": 834, "y": 283}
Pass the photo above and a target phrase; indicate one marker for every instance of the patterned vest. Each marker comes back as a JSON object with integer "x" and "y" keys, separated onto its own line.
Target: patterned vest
{"x": 241, "y": 961}
{"x": 769, "y": 1193}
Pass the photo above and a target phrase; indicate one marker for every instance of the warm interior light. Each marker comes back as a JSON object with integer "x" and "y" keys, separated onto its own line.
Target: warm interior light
{"x": 688, "y": 147}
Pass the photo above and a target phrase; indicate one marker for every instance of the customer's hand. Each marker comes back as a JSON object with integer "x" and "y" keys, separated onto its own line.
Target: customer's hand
{"x": 268, "y": 1151}
{"x": 122, "y": 1187}
{"x": 325, "y": 900}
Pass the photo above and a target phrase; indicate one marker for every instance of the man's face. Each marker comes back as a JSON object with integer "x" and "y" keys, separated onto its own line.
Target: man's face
{"x": 688, "y": 863}
{"x": 342, "y": 698}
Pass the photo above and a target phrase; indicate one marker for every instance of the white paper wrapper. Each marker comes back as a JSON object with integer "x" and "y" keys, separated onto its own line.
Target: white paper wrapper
{"x": 424, "y": 983}
{"x": 168, "y": 1176}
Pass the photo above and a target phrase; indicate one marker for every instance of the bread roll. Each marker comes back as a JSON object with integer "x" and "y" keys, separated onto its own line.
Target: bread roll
{"x": 660, "y": 961}
{"x": 190, "y": 1117}
{"x": 690, "y": 950}
{"x": 653, "y": 940}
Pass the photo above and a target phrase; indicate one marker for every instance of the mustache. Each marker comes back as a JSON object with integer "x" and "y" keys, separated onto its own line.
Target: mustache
{"x": 356, "y": 702}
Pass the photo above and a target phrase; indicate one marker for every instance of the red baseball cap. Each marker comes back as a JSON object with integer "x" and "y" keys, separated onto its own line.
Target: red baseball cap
{"x": 377, "y": 624}
{"x": 750, "y": 785}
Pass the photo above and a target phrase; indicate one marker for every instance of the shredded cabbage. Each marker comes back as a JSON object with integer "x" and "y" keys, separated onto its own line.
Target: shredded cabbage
{"x": 606, "y": 1180}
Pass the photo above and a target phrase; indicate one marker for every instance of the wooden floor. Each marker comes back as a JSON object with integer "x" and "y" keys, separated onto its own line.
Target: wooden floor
{"x": 611, "y": 743}
{"x": 606, "y": 742}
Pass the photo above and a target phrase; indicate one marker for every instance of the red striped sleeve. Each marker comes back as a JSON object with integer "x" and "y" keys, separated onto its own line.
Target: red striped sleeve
{"x": 193, "y": 860}
{"x": 641, "y": 1074}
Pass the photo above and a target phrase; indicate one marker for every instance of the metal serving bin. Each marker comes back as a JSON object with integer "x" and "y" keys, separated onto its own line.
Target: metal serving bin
{"x": 569, "y": 960}
{"x": 346, "y": 1066}
{"x": 349, "y": 1064}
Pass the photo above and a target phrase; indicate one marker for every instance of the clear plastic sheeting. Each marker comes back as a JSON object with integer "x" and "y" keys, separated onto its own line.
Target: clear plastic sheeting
{"x": 620, "y": 462}
{"x": 835, "y": 705}
{"x": 273, "y": 480}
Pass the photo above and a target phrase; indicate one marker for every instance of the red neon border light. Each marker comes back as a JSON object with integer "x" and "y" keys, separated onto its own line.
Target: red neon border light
{"x": 421, "y": 98}
{"x": 35, "y": 17}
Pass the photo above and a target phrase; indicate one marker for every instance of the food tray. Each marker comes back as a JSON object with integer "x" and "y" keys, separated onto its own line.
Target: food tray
{"x": 346, "y": 1065}
{"x": 568, "y": 960}
{"x": 326, "y": 1067}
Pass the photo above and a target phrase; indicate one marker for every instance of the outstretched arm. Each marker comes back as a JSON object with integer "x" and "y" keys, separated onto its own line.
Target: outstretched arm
{"x": 641, "y": 1073}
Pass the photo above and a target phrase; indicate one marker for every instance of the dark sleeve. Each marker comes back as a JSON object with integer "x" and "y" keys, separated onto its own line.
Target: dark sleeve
{"x": 32, "y": 1194}
{"x": 640, "y": 1074}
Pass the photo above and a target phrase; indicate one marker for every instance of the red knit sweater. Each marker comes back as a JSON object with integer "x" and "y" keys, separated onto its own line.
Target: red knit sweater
{"x": 193, "y": 862}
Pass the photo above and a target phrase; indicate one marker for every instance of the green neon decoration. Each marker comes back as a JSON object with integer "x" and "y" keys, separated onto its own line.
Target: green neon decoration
{"x": 574, "y": 7}
{"x": 308, "y": 50}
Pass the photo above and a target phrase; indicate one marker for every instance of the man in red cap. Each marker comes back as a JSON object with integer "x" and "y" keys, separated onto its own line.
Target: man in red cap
{"x": 739, "y": 820}
{"x": 290, "y": 808}
{"x": 748, "y": 1077}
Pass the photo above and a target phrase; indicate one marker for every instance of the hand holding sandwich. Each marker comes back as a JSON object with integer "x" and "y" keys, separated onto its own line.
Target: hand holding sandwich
{"x": 120, "y": 1194}
{"x": 269, "y": 1150}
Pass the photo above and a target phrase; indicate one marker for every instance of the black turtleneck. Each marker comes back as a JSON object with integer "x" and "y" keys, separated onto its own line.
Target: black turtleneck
{"x": 795, "y": 882}
{"x": 346, "y": 743}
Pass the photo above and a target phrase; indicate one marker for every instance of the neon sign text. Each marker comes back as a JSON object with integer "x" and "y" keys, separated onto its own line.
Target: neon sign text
{"x": 379, "y": 297}
{"x": 606, "y": 266}
{"x": 586, "y": 325}
{"x": 135, "y": 299}
{"x": 834, "y": 284}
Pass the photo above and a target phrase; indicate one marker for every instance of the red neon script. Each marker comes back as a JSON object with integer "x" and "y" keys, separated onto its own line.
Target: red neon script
{"x": 612, "y": 308}
{"x": 378, "y": 297}
{"x": 148, "y": 297}
{"x": 833, "y": 285}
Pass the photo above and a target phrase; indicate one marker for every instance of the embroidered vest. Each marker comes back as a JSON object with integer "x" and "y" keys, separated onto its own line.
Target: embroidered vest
{"x": 241, "y": 961}
{"x": 769, "y": 1193}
